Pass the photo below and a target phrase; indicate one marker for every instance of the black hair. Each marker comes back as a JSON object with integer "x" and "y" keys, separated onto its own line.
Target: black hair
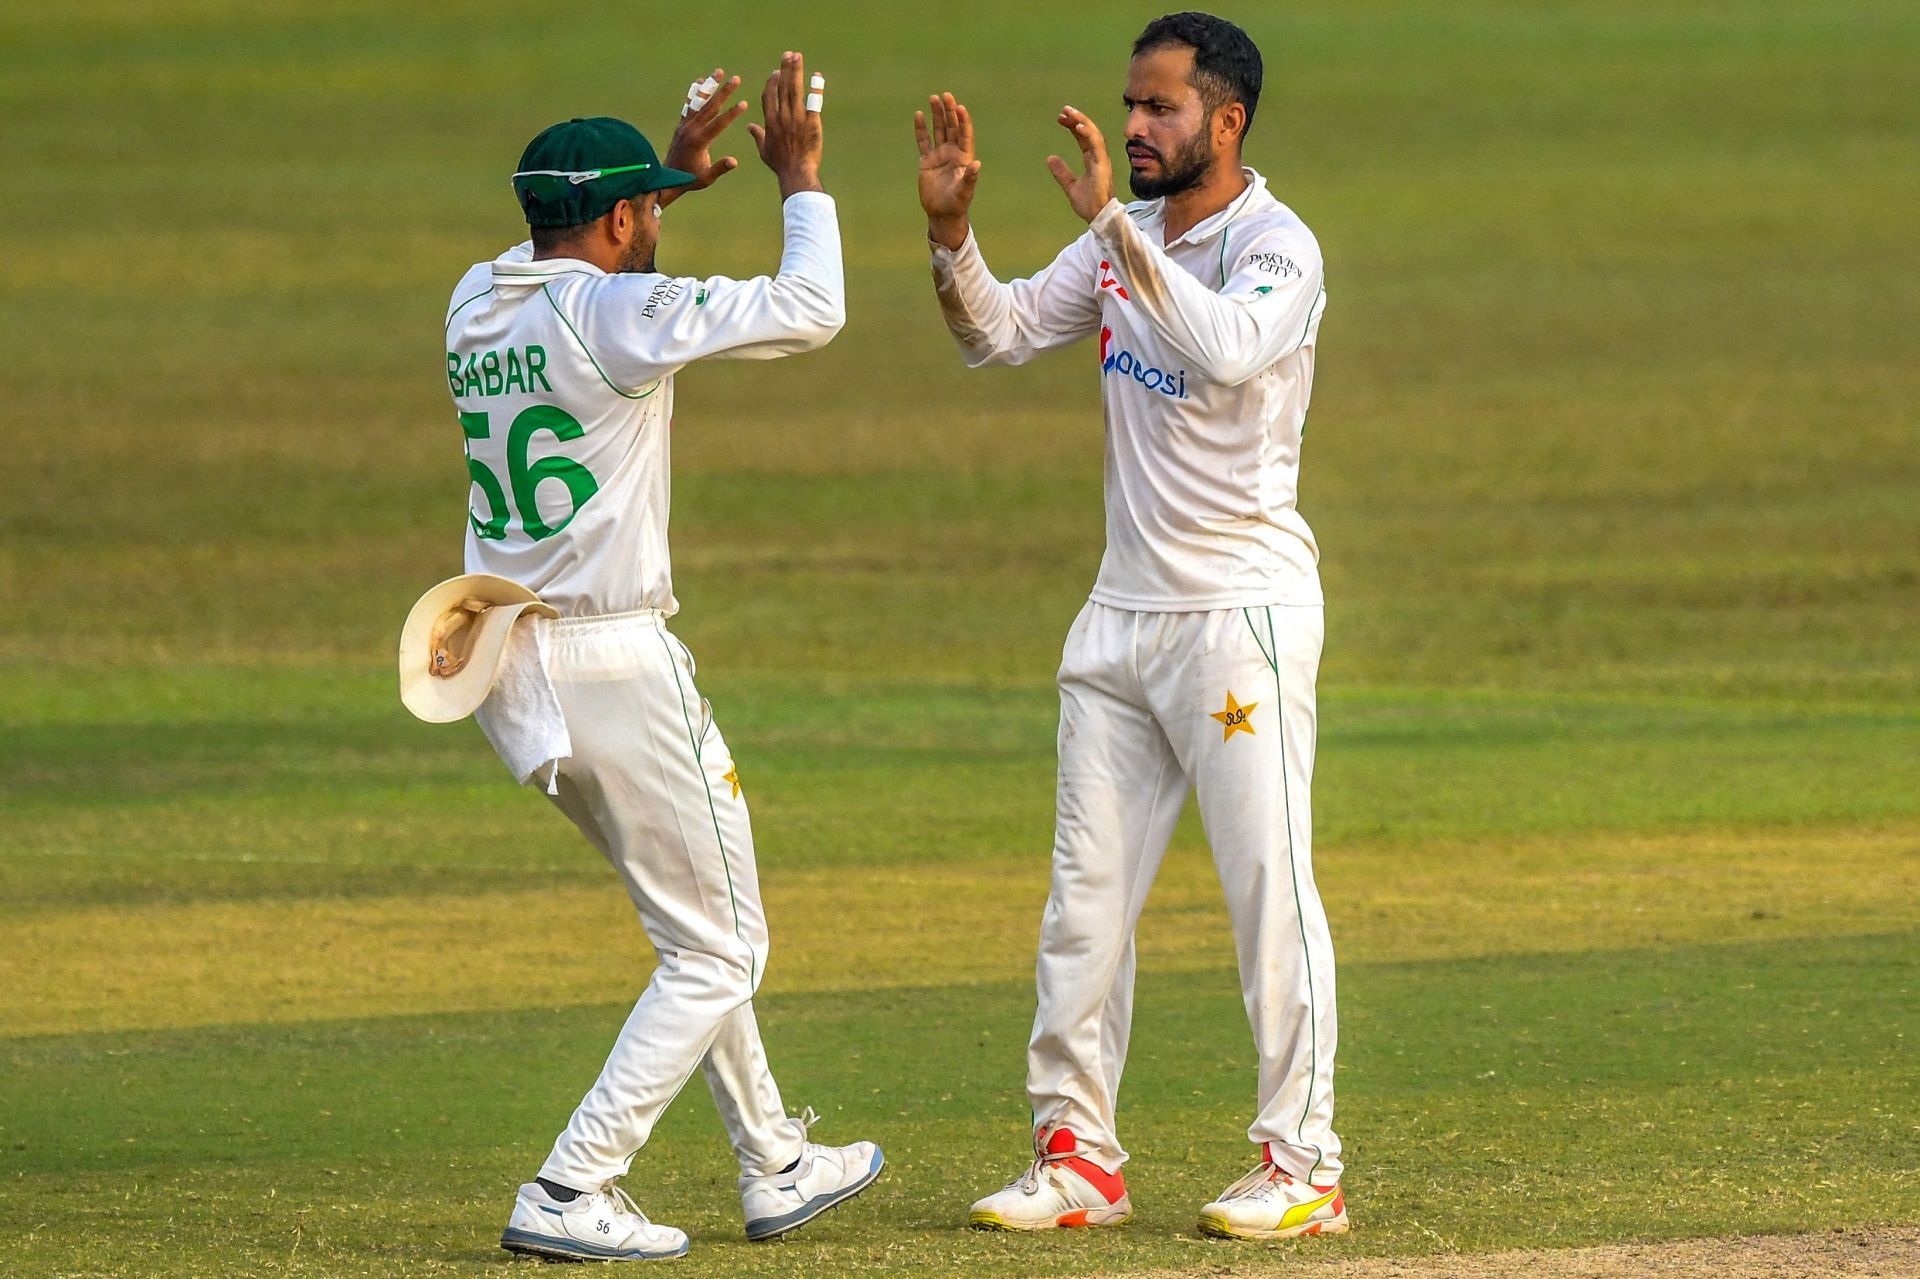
{"x": 550, "y": 239}
{"x": 1226, "y": 62}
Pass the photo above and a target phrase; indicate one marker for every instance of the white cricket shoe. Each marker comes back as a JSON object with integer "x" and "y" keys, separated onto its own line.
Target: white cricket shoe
{"x": 1061, "y": 1187}
{"x": 605, "y": 1226}
{"x": 825, "y": 1177}
{"x": 1268, "y": 1203}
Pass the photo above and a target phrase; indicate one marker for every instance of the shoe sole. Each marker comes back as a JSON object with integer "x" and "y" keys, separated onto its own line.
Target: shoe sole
{"x": 773, "y": 1228}
{"x": 1114, "y": 1215}
{"x": 1220, "y": 1228}
{"x": 527, "y": 1244}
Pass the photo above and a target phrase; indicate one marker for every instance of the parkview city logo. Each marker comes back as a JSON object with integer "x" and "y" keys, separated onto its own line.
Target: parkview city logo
{"x": 1127, "y": 364}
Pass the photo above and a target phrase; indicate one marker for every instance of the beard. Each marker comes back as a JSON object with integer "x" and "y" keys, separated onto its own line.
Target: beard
{"x": 637, "y": 260}
{"x": 1187, "y": 168}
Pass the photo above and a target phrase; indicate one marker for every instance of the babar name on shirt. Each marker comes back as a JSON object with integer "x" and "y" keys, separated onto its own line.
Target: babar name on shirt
{"x": 500, "y": 372}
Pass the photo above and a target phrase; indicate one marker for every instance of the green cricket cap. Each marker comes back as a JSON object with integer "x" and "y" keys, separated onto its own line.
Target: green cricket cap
{"x": 578, "y": 170}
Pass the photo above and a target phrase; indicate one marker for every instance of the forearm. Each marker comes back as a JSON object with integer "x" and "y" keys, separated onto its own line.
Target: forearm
{"x": 977, "y": 308}
{"x": 812, "y": 276}
{"x": 798, "y": 308}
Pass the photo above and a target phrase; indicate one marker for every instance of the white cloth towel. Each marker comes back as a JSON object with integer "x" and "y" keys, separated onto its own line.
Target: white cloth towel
{"x": 521, "y": 715}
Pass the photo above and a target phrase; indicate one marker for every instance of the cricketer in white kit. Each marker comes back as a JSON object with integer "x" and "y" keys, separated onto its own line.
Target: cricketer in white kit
{"x": 561, "y": 355}
{"x": 1193, "y": 664}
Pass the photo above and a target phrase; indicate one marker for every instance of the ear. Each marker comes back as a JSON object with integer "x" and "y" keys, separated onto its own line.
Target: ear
{"x": 620, "y": 223}
{"x": 1229, "y": 123}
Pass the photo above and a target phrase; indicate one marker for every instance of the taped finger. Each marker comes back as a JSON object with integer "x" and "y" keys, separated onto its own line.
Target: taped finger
{"x": 816, "y": 92}
{"x": 699, "y": 93}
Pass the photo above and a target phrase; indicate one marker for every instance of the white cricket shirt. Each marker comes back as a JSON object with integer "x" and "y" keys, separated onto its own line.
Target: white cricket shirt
{"x": 1206, "y": 367}
{"x": 563, "y": 376}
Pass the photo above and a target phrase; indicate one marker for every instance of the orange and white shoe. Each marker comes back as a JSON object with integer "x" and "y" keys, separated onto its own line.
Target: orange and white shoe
{"x": 1268, "y": 1203}
{"x": 1061, "y": 1187}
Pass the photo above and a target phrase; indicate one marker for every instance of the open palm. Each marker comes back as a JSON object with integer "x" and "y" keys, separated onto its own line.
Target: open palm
{"x": 1092, "y": 189}
{"x": 948, "y": 170}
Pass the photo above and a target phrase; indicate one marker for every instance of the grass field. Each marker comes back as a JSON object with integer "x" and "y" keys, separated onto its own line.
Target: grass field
{"x": 1613, "y": 466}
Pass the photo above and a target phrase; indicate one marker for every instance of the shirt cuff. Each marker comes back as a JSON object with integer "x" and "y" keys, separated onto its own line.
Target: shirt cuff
{"x": 807, "y": 201}
{"x": 942, "y": 255}
{"x": 1103, "y": 221}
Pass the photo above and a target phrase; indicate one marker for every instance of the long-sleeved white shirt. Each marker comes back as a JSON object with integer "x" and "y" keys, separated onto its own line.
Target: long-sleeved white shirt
{"x": 1206, "y": 368}
{"x": 563, "y": 376}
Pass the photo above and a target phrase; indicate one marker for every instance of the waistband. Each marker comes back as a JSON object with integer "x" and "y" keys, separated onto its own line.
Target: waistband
{"x": 608, "y": 623}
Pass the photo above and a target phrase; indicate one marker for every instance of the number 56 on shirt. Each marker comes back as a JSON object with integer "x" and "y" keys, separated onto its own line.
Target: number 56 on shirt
{"x": 524, "y": 477}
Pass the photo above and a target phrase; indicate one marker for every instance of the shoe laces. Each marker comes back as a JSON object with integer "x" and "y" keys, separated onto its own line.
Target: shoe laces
{"x": 807, "y": 1118}
{"x": 1260, "y": 1183}
{"x": 623, "y": 1202}
{"x": 1043, "y": 1159}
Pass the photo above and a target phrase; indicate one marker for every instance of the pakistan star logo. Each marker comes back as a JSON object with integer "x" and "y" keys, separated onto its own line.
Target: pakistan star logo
{"x": 1236, "y": 718}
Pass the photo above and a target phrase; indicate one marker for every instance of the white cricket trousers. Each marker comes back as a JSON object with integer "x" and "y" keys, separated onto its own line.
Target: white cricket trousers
{"x": 1147, "y": 711}
{"x": 648, "y": 784}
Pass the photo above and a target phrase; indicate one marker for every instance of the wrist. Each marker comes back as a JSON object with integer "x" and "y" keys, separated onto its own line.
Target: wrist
{"x": 949, "y": 233}
{"x": 802, "y": 178}
{"x": 1101, "y": 202}
{"x": 1102, "y": 219}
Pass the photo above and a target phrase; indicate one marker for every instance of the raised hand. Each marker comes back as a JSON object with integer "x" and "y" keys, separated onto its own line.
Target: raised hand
{"x": 690, "y": 149}
{"x": 791, "y": 141}
{"x": 948, "y": 170}
{"x": 1093, "y": 189}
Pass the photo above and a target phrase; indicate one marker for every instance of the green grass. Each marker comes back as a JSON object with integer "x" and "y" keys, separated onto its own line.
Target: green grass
{"x": 1751, "y": 1082}
{"x": 1611, "y": 462}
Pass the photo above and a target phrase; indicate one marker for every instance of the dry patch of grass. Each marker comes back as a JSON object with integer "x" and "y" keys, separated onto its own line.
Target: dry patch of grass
{"x": 1888, "y": 1252}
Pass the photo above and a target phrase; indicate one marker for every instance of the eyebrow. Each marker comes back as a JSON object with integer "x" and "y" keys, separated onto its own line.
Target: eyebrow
{"x": 1150, "y": 101}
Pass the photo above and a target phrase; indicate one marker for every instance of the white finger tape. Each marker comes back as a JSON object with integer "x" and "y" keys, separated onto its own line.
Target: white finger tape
{"x": 818, "y": 94}
{"x": 699, "y": 93}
